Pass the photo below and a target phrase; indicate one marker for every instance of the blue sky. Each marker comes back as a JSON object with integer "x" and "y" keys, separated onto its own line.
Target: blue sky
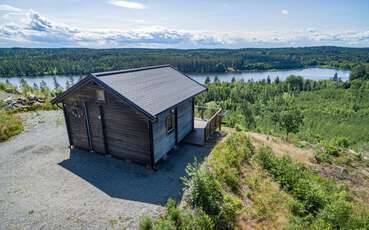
{"x": 183, "y": 24}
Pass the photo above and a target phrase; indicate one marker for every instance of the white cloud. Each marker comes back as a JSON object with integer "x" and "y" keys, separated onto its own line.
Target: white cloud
{"x": 34, "y": 30}
{"x": 284, "y": 11}
{"x": 9, "y": 8}
{"x": 127, "y": 4}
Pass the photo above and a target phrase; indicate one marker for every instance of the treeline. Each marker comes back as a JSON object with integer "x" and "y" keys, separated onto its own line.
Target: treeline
{"x": 32, "y": 62}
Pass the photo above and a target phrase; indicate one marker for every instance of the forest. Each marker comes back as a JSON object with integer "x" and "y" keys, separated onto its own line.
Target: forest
{"x": 63, "y": 61}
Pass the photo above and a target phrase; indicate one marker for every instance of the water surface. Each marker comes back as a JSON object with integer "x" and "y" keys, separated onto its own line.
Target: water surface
{"x": 308, "y": 73}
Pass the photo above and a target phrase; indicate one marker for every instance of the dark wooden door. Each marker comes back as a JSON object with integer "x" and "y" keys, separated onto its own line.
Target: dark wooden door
{"x": 76, "y": 118}
{"x": 95, "y": 121}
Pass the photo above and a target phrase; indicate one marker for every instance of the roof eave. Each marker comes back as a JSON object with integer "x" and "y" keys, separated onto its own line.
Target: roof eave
{"x": 194, "y": 95}
{"x": 59, "y": 97}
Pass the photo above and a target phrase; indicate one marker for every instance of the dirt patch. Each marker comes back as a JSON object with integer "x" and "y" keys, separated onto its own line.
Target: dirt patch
{"x": 42, "y": 150}
{"x": 305, "y": 156}
{"x": 24, "y": 149}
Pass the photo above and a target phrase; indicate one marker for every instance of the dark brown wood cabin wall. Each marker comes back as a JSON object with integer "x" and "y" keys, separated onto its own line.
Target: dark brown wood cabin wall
{"x": 126, "y": 130}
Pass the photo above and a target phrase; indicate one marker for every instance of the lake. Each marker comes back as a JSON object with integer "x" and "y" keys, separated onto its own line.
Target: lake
{"x": 308, "y": 73}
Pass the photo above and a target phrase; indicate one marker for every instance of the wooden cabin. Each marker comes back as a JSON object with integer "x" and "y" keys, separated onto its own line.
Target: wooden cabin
{"x": 135, "y": 114}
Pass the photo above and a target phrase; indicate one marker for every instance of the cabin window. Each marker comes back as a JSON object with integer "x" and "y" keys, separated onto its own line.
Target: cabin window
{"x": 100, "y": 95}
{"x": 170, "y": 123}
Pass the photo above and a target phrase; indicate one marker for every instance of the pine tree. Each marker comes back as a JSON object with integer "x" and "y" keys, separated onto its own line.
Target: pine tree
{"x": 207, "y": 80}
{"x": 56, "y": 83}
{"x": 67, "y": 84}
{"x": 268, "y": 80}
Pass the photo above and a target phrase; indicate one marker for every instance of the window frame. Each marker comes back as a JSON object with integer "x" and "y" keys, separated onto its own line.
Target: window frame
{"x": 97, "y": 96}
{"x": 173, "y": 125}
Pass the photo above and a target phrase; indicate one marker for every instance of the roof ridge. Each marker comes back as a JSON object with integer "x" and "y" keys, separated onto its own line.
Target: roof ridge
{"x": 100, "y": 74}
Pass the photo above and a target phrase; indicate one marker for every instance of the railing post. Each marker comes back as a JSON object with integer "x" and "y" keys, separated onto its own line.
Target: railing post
{"x": 220, "y": 123}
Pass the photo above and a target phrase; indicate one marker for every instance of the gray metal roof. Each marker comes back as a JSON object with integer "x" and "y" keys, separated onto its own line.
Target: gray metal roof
{"x": 153, "y": 89}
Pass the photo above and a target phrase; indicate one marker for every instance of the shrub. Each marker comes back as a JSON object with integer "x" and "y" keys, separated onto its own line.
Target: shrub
{"x": 229, "y": 210}
{"x": 310, "y": 194}
{"x": 176, "y": 218}
{"x": 164, "y": 224}
{"x": 10, "y": 125}
{"x": 145, "y": 223}
{"x": 203, "y": 221}
{"x": 286, "y": 174}
{"x": 9, "y": 88}
{"x": 181, "y": 218}
{"x": 227, "y": 158}
{"x": 331, "y": 149}
{"x": 321, "y": 157}
{"x": 342, "y": 142}
{"x": 205, "y": 190}
{"x": 320, "y": 202}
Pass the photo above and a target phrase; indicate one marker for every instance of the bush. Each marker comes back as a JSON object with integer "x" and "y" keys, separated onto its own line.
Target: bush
{"x": 321, "y": 157}
{"x": 175, "y": 218}
{"x": 10, "y": 125}
{"x": 320, "y": 202}
{"x": 228, "y": 157}
{"x": 342, "y": 142}
{"x": 229, "y": 211}
{"x": 164, "y": 224}
{"x": 205, "y": 190}
{"x": 203, "y": 221}
{"x": 311, "y": 195}
{"x": 331, "y": 149}
{"x": 9, "y": 88}
{"x": 145, "y": 223}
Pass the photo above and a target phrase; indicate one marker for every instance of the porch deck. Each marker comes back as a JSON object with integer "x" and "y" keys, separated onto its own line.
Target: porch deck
{"x": 204, "y": 128}
{"x": 197, "y": 136}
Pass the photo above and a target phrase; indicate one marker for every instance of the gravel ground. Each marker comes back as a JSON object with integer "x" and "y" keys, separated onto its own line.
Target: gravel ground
{"x": 44, "y": 185}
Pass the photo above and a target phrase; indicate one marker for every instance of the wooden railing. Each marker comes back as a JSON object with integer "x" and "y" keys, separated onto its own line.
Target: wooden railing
{"x": 213, "y": 118}
{"x": 214, "y": 123}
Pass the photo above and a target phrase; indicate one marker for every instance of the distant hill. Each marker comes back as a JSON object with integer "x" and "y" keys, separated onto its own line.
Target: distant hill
{"x": 45, "y": 61}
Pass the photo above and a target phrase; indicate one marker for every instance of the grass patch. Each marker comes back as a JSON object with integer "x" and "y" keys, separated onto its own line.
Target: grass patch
{"x": 319, "y": 203}
{"x": 267, "y": 206}
{"x": 10, "y": 125}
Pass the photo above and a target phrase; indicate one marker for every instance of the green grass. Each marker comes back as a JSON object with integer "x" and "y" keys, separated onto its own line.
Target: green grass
{"x": 320, "y": 203}
{"x": 10, "y": 125}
